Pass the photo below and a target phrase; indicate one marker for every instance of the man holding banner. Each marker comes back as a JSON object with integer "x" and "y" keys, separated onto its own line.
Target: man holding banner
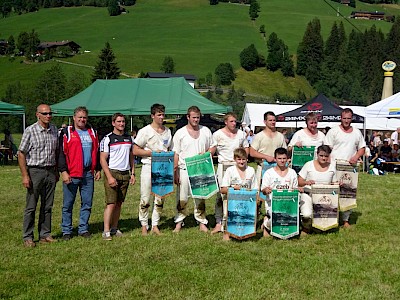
{"x": 277, "y": 178}
{"x": 306, "y": 139}
{"x": 153, "y": 137}
{"x": 347, "y": 144}
{"x": 266, "y": 141}
{"x": 227, "y": 139}
{"x": 189, "y": 141}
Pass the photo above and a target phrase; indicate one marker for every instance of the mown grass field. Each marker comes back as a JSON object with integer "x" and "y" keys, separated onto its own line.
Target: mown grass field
{"x": 359, "y": 263}
{"x": 197, "y": 35}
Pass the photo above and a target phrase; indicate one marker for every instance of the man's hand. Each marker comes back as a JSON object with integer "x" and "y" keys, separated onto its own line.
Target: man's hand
{"x": 97, "y": 175}
{"x": 26, "y": 181}
{"x": 112, "y": 182}
{"x": 66, "y": 178}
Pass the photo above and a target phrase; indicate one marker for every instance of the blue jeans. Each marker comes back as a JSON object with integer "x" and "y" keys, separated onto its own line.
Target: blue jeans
{"x": 86, "y": 187}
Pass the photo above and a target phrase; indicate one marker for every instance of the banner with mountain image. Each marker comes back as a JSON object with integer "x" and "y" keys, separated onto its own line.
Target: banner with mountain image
{"x": 285, "y": 213}
{"x": 347, "y": 175}
{"x": 242, "y": 213}
{"x": 301, "y": 155}
{"x": 201, "y": 173}
{"x": 325, "y": 200}
{"x": 162, "y": 173}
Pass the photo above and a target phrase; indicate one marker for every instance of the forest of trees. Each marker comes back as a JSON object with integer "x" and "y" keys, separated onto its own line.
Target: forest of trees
{"x": 345, "y": 67}
{"x": 26, "y": 6}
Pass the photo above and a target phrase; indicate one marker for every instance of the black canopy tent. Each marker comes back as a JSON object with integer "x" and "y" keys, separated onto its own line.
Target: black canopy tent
{"x": 326, "y": 110}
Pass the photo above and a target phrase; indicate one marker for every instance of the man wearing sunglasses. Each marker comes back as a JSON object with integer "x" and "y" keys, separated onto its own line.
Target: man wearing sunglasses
{"x": 37, "y": 161}
{"x": 79, "y": 165}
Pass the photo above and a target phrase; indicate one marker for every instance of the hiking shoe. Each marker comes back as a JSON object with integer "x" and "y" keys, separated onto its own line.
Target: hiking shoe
{"x": 29, "y": 244}
{"x": 116, "y": 232}
{"x": 86, "y": 235}
{"x": 107, "y": 236}
{"x": 67, "y": 236}
{"x": 47, "y": 239}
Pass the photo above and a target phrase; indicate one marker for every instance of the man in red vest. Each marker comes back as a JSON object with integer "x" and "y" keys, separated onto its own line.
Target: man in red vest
{"x": 78, "y": 164}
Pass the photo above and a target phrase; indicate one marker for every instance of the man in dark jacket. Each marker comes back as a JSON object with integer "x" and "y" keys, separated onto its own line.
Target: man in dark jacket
{"x": 78, "y": 164}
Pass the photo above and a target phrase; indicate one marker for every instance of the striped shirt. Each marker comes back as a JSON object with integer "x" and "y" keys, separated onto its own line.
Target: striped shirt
{"x": 118, "y": 148}
{"x": 40, "y": 144}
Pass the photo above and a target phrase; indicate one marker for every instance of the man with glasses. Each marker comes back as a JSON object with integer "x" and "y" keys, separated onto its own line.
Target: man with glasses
{"x": 37, "y": 162}
{"x": 79, "y": 165}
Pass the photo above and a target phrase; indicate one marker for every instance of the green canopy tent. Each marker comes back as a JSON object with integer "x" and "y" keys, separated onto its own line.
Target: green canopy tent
{"x": 135, "y": 96}
{"x": 13, "y": 109}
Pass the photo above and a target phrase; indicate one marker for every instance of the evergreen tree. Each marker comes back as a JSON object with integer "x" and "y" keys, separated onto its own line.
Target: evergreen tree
{"x": 310, "y": 52}
{"x": 113, "y": 8}
{"x": 106, "y": 67}
{"x": 224, "y": 73}
{"x": 287, "y": 65}
{"x": 275, "y": 52}
{"x": 392, "y": 51}
{"x": 23, "y": 42}
{"x": 209, "y": 79}
{"x": 249, "y": 58}
{"x": 168, "y": 65}
{"x": 11, "y": 45}
{"x": 254, "y": 9}
{"x": 51, "y": 86}
{"x": 372, "y": 58}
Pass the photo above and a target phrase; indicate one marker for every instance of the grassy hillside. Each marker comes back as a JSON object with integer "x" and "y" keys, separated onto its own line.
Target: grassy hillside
{"x": 198, "y": 36}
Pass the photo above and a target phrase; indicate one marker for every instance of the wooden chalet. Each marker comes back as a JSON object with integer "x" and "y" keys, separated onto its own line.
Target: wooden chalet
{"x": 54, "y": 45}
{"x": 368, "y": 15}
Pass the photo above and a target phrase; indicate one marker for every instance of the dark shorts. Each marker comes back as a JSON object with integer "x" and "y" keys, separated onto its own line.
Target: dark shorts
{"x": 118, "y": 193}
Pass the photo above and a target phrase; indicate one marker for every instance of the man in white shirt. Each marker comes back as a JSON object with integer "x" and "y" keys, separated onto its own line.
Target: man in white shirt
{"x": 266, "y": 142}
{"x": 348, "y": 144}
{"x": 188, "y": 141}
{"x": 226, "y": 139}
{"x": 394, "y": 138}
{"x": 153, "y": 137}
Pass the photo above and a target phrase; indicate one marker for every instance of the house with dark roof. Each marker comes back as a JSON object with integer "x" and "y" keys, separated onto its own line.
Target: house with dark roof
{"x": 368, "y": 15}
{"x": 189, "y": 78}
{"x": 54, "y": 46}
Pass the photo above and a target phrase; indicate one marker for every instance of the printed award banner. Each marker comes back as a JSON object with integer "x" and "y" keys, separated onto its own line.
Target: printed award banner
{"x": 285, "y": 213}
{"x": 242, "y": 213}
{"x": 265, "y": 166}
{"x": 325, "y": 200}
{"x": 301, "y": 155}
{"x": 348, "y": 178}
{"x": 162, "y": 173}
{"x": 203, "y": 183}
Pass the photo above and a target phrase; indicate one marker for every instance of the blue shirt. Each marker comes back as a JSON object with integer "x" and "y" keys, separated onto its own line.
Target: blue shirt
{"x": 86, "y": 147}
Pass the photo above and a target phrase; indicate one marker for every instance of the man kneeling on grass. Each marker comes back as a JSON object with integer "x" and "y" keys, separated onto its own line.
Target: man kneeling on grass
{"x": 116, "y": 159}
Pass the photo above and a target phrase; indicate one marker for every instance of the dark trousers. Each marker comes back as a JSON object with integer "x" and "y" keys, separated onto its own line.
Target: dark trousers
{"x": 43, "y": 183}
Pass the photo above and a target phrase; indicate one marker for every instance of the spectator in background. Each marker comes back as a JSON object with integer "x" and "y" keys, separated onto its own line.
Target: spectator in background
{"x": 395, "y": 137}
{"x": 245, "y": 128}
{"x": 250, "y": 137}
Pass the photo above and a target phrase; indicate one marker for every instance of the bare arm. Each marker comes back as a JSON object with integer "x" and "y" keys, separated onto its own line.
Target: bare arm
{"x": 132, "y": 180}
{"x": 354, "y": 159}
{"x": 103, "y": 161}
{"x": 254, "y": 153}
{"x": 139, "y": 151}
{"x": 26, "y": 180}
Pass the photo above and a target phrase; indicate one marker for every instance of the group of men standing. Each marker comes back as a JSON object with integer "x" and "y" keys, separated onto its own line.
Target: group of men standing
{"x": 76, "y": 153}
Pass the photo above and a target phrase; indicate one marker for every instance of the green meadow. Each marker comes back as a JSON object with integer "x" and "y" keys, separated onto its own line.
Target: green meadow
{"x": 358, "y": 263}
{"x": 196, "y": 35}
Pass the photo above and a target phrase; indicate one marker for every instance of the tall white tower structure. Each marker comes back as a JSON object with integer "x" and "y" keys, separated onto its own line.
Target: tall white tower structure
{"x": 388, "y": 66}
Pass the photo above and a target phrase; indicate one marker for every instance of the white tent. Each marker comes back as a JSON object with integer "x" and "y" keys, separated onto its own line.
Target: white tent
{"x": 254, "y": 116}
{"x": 387, "y": 108}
